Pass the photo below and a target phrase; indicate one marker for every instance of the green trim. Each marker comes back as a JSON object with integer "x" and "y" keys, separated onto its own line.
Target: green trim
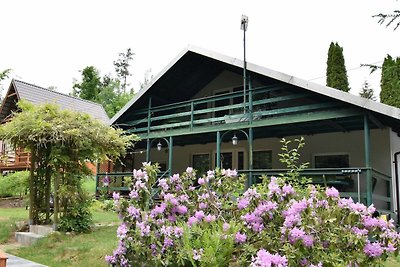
{"x": 367, "y": 153}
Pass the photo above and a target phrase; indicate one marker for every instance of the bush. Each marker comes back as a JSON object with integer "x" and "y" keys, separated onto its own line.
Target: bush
{"x": 14, "y": 184}
{"x": 270, "y": 224}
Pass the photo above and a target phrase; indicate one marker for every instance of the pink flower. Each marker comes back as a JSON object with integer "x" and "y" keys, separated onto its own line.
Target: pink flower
{"x": 373, "y": 250}
{"x": 199, "y": 215}
{"x": 182, "y": 209}
{"x": 209, "y": 218}
{"x": 203, "y": 205}
{"x": 201, "y": 181}
{"x": 192, "y": 220}
{"x": 243, "y": 203}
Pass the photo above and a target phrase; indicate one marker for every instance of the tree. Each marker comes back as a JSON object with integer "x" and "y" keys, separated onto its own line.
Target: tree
{"x": 90, "y": 85}
{"x": 389, "y": 19}
{"x": 60, "y": 142}
{"x": 390, "y": 81}
{"x": 122, "y": 67}
{"x": 367, "y": 91}
{"x": 336, "y": 74}
{"x": 3, "y": 75}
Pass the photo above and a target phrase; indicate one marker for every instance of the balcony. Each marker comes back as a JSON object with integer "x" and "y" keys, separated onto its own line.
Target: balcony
{"x": 14, "y": 160}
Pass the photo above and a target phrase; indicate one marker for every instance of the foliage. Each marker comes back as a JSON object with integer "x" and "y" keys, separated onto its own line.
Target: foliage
{"x": 60, "y": 141}
{"x": 270, "y": 224}
{"x": 290, "y": 157}
{"x": 390, "y": 81}
{"x": 336, "y": 74}
{"x": 77, "y": 218}
{"x": 14, "y": 184}
{"x": 90, "y": 85}
{"x": 389, "y": 19}
{"x": 121, "y": 66}
{"x": 104, "y": 90}
{"x": 367, "y": 91}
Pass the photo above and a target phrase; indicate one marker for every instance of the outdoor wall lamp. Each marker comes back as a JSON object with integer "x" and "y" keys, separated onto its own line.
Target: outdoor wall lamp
{"x": 234, "y": 140}
{"x": 159, "y": 146}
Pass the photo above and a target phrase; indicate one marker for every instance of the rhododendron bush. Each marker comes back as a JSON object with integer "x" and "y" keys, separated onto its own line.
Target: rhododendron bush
{"x": 185, "y": 220}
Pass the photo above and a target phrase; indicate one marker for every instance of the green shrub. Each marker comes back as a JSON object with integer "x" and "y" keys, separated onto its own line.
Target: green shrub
{"x": 14, "y": 184}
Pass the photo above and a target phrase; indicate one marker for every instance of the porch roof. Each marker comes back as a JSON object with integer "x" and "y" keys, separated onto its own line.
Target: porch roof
{"x": 195, "y": 67}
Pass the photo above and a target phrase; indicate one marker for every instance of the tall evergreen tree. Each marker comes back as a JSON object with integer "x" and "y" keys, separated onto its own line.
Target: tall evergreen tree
{"x": 390, "y": 81}
{"x": 336, "y": 74}
{"x": 122, "y": 67}
{"x": 367, "y": 91}
{"x": 90, "y": 86}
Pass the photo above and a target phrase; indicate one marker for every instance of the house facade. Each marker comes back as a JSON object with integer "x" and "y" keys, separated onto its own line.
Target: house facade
{"x": 197, "y": 112}
{"x": 15, "y": 159}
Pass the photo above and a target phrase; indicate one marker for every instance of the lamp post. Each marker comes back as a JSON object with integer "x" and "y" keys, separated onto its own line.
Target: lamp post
{"x": 243, "y": 26}
{"x": 235, "y": 141}
{"x": 159, "y": 148}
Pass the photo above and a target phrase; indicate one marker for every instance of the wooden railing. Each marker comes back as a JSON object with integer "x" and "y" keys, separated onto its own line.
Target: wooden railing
{"x": 17, "y": 159}
{"x": 263, "y": 102}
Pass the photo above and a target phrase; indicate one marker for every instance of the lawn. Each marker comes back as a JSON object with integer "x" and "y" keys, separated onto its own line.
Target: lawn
{"x": 72, "y": 250}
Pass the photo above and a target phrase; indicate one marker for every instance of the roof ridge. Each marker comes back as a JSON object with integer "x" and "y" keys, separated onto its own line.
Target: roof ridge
{"x": 62, "y": 94}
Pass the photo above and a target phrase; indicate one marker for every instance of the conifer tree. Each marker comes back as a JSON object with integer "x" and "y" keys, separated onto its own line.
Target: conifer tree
{"x": 336, "y": 74}
{"x": 390, "y": 81}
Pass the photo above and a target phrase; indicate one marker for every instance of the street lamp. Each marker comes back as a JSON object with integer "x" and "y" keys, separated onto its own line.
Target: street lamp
{"x": 243, "y": 26}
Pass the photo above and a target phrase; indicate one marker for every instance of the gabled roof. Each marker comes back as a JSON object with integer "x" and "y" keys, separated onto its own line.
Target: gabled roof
{"x": 37, "y": 95}
{"x": 210, "y": 63}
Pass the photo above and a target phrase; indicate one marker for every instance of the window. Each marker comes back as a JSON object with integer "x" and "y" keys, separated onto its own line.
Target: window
{"x": 262, "y": 159}
{"x": 201, "y": 163}
{"x": 332, "y": 161}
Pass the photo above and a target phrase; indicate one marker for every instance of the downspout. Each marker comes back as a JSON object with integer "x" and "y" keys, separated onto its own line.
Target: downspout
{"x": 396, "y": 173}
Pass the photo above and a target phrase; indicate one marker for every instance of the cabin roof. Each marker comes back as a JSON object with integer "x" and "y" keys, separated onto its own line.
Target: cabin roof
{"x": 38, "y": 95}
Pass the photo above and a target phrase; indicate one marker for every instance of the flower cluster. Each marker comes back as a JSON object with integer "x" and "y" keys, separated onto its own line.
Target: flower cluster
{"x": 211, "y": 220}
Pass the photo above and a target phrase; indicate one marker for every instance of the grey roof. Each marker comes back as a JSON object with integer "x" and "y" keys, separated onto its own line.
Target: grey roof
{"x": 37, "y": 95}
{"x": 367, "y": 104}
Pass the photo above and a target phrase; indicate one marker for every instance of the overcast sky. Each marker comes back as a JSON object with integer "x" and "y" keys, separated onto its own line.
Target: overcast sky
{"x": 47, "y": 42}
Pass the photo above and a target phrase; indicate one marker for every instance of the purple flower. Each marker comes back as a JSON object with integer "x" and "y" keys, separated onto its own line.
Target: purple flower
{"x": 243, "y": 203}
{"x": 133, "y": 212}
{"x": 168, "y": 242}
{"x": 110, "y": 259}
{"x": 203, "y": 205}
{"x": 189, "y": 170}
{"x": 181, "y": 209}
{"x": 332, "y": 192}
{"x": 225, "y": 227}
{"x": 133, "y": 194}
{"x": 288, "y": 190}
{"x": 115, "y": 196}
{"x": 192, "y": 220}
{"x": 201, "y": 181}
{"x": 178, "y": 231}
{"x": 210, "y": 174}
{"x": 106, "y": 181}
{"x": 266, "y": 259}
{"x": 240, "y": 238}
{"x": 163, "y": 184}
{"x": 373, "y": 250}
{"x": 209, "y": 218}
{"x": 199, "y": 215}
{"x": 122, "y": 230}
{"x": 308, "y": 241}
{"x": 296, "y": 234}
{"x": 197, "y": 254}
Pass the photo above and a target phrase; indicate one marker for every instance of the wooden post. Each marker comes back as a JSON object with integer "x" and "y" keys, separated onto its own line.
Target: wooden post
{"x": 367, "y": 153}
{"x": 3, "y": 259}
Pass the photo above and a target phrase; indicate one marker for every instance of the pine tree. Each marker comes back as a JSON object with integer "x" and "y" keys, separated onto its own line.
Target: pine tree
{"x": 367, "y": 91}
{"x": 390, "y": 81}
{"x": 336, "y": 74}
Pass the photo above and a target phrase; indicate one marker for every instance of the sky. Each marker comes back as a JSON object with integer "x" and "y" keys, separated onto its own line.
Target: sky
{"x": 47, "y": 42}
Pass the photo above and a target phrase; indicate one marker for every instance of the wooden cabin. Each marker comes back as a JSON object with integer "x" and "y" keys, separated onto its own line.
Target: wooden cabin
{"x": 197, "y": 112}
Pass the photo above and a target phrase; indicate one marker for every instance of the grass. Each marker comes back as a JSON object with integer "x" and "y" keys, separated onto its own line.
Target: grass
{"x": 60, "y": 249}
{"x": 8, "y": 217}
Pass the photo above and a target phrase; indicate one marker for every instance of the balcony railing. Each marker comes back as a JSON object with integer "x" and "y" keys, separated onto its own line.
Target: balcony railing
{"x": 263, "y": 102}
{"x": 351, "y": 182}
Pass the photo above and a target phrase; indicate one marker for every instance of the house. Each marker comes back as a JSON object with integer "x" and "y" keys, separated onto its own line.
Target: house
{"x": 196, "y": 112}
{"x": 13, "y": 159}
